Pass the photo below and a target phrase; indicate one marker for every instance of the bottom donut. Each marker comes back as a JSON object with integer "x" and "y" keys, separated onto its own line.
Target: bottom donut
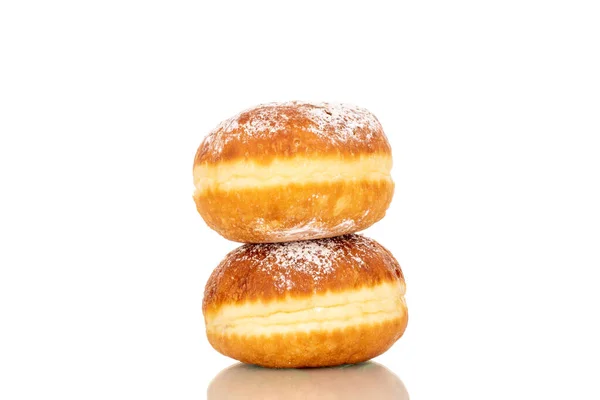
{"x": 313, "y": 303}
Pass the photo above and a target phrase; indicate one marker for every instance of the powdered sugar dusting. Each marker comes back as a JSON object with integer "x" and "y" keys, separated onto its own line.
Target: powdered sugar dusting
{"x": 311, "y": 228}
{"x": 313, "y": 258}
{"x": 338, "y": 123}
{"x": 343, "y": 119}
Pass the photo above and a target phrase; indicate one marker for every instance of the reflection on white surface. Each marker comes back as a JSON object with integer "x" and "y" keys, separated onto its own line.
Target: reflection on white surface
{"x": 363, "y": 381}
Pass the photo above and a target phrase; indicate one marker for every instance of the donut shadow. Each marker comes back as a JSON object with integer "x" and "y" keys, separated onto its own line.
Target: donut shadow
{"x": 368, "y": 380}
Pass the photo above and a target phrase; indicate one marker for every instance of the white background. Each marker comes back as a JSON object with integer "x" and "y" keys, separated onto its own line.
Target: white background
{"x": 493, "y": 112}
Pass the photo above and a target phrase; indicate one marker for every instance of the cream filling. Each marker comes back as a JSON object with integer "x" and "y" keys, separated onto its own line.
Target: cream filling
{"x": 298, "y": 170}
{"x": 320, "y": 312}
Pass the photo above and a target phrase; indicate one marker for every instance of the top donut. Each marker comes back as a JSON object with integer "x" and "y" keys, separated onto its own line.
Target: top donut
{"x": 293, "y": 171}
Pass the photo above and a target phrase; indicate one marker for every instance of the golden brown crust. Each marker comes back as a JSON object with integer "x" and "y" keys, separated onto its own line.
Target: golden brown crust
{"x": 276, "y": 271}
{"x": 295, "y": 128}
{"x": 312, "y": 349}
{"x": 295, "y": 211}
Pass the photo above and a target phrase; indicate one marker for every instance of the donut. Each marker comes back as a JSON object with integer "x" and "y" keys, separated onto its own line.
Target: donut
{"x": 293, "y": 171}
{"x": 368, "y": 380}
{"x": 313, "y": 303}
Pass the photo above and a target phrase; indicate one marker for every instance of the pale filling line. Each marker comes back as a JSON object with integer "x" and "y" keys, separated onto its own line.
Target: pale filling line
{"x": 298, "y": 170}
{"x": 333, "y": 310}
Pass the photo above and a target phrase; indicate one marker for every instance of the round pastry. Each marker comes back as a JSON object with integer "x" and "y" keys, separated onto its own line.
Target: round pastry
{"x": 363, "y": 381}
{"x": 312, "y": 303}
{"x": 294, "y": 171}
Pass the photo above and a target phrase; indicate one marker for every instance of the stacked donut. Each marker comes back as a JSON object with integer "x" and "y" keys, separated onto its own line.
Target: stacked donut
{"x": 295, "y": 181}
